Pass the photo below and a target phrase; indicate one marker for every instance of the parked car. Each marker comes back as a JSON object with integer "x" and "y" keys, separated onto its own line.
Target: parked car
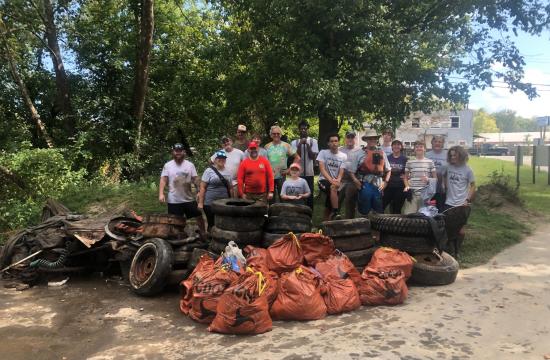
{"x": 489, "y": 149}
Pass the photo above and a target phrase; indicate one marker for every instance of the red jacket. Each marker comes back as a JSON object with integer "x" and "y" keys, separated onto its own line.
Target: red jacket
{"x": 255, "y": 176}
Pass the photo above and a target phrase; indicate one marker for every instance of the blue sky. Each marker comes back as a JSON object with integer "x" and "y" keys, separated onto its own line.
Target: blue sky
{"x": 536, "y": 51}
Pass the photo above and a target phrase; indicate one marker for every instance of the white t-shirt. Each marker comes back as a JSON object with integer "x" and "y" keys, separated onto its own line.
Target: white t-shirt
{"x": 180, "y": 180}
{"x": 387, "y": 150}
{"x": 333, "y": 162}
{"x": 234, "y": 158}
{"x": 440, "y": 162}
{"x": 307, "y": 170}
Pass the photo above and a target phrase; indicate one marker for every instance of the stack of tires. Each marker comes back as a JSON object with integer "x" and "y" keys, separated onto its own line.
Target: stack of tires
{"x": 237, "y": 220}
{"x": 414, "y": 236}
{"x": 284, "y": 218}
{"x": 353, "y": 237}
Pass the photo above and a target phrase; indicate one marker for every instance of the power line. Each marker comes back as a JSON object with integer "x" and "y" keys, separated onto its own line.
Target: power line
{"x": 497, "y": 81}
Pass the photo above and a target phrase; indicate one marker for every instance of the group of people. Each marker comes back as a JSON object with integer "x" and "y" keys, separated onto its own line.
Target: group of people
{"x": 370, "y": 178}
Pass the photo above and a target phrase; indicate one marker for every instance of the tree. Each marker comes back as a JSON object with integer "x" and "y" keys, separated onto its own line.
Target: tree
{"x": 484, "y": 123}
{"x": 509, "y": 121}
{"x": 146, "y": 21}
{"x": 35, "y": 116}
{"x": 344, "y": 59}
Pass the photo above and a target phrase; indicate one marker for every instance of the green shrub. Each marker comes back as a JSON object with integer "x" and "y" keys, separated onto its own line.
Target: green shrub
{"x": 44, "y": 173}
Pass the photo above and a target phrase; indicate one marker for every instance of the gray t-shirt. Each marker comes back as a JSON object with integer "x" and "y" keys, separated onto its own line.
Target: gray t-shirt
{"x": 234, "y": 158}
{"x": 305, "y": 161}
{"x": 458, "y": 180}
{"x": 387, "y": 150}
{"x": 440, "y": 162}
{"x": 295, "y": 187}
{"x": 215, "y": 189}
{"x": 333, "y": 162}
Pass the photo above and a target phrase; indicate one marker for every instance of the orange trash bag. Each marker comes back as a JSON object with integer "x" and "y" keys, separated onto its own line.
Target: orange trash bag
{"x": 299, "y": 296}
{"x": 316, "y": 247}
{"x": 243, "y": 307}
{"x": 339, "y": 266}
{"x": 255, "y": 256}
{"x": 205, "y": 265}
{"x": 285, "y": 254}
{"x": 206, "y": 291}
{"x": 385, "y": 259}
{"x": 383, "y": 287}
{"x": 341, "y": 296}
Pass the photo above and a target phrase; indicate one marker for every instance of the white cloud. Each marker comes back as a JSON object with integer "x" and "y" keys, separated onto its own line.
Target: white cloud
{"x": 495, "y": 99}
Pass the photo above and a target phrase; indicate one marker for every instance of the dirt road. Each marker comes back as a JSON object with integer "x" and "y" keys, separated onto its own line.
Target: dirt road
{"x": 497, "y": 311}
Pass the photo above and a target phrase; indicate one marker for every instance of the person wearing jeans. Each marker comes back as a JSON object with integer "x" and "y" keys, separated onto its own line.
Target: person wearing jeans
{"x": 370, "y": 171}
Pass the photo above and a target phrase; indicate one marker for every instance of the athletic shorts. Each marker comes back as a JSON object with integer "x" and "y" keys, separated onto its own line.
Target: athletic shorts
{"x": 186, "y": 209}
{"x": 324, "y": 186}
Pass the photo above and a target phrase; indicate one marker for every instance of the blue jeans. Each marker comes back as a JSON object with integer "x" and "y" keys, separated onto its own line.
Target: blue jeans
{"x": 369, "y": 198}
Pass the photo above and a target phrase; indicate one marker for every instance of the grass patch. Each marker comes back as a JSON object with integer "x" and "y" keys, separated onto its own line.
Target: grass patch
{"x": 95, "y": 198}
{"x": 488, "y": 233}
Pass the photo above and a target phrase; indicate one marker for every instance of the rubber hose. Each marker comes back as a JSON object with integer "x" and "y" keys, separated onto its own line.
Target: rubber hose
{"x": 43, "y": 263}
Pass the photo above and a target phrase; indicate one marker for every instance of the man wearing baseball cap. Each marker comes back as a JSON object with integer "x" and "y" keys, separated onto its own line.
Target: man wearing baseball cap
{"x": 241, "y": 142}
{"x": 255, "y": 176}
{"x": 179, "y": 175}
{"x": 295, "y": 189}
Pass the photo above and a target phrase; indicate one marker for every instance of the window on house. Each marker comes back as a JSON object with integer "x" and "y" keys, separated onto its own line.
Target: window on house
{"x": 450, "y": 142}
{"x": 416, "y": 123}
{"x": 455, "y": 121}
{"x": 407, "y": 143}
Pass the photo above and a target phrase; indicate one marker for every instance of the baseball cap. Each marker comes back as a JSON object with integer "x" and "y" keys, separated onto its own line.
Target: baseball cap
{"x": 221, "y": 154}
{"x": 295, "y": 166}
{"x": 252, "y": 145}
{"x": 177, "y": 146}
{"x": 241, "y": 128}
{"x": 350, "y": 134}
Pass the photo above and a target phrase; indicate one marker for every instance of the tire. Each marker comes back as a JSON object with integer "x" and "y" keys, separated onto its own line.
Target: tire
{"x": 233, "y": 223}
{"x": 355, "y": 242}
{"x": 344, "y": 228}
{"x": 238, "y": 208}
{"x": 409, "y": 244}
{"x": 361, "y": 258}
{"x": 285, "y": 224}
{"x": 430, "y": 270}
{"x": 196, "y": 256}
{"x": 403, "y": 224}
{"x": 283, "y": 209}
{"x": 216, "y": 247}
{"x": 241, "y": 238}
{"x": 150, "y": 267}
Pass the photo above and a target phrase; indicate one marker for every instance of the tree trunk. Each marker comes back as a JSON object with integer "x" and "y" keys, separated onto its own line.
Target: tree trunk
{"x": 63, "y": 98}
{"x": 145, "y": 43}
{"x": 328, "y": 124}
{"x": 26, "y": 97}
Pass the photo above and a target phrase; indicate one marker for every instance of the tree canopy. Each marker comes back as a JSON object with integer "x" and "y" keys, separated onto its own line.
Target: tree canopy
{"x": 214, "y": 64}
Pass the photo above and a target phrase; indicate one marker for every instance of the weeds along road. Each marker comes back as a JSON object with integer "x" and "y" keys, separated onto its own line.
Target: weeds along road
{"x": 500, "y": 310}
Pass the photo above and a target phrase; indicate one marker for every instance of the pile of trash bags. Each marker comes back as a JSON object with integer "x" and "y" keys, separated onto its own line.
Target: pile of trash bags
{"x": 302, "y": 278}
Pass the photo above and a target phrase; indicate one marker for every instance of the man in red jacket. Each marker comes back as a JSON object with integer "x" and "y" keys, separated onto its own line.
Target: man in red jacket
{"x": 255, "y": 176}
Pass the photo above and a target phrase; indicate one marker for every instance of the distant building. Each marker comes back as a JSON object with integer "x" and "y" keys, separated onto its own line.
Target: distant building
{"x": 509, "y": 139}
{"x": 456, "y": 126}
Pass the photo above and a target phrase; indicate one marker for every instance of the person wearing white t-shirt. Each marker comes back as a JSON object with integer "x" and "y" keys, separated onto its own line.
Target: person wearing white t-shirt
{"x": 387, "y": 138}
{"x": 179, "y": 175}
{"x": 439, "y": 156}
{"x": 331, "y": 164}
{"x": 349, "y": 190}
{"x": 307, "y": 148}
{"x": 234, "y": 158}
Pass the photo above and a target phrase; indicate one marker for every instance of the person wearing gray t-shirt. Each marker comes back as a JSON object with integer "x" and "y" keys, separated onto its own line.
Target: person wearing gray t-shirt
{"x": 459, "y": 179}
{"x": 439, "y": 156}
{"x": 295, "y": 189}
